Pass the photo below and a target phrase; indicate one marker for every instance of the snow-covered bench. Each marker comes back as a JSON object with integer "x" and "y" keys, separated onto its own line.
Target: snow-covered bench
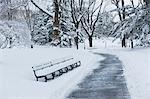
{"x": 55, "y": 68}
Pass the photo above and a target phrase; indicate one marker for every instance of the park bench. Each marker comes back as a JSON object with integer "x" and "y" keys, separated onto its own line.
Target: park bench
{"x": 55, "y": 68}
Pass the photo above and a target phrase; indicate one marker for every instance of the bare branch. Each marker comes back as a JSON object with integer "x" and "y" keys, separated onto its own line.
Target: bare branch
{"x": 40, "y": 8}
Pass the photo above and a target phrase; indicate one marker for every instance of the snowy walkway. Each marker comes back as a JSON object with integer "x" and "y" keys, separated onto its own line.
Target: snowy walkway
{"x": 106, "y": 82}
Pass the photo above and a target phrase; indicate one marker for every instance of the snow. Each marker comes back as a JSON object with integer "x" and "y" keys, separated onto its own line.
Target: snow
{"x": 137, "y": 69}
{"x": 17, "y": 80}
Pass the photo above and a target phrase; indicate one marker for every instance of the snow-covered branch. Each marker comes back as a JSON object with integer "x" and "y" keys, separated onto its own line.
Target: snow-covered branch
{"x": 90, "y": 19}
{"x": 44, "y": 11}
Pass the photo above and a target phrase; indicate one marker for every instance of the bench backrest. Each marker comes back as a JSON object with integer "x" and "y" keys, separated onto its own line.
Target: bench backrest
{"x": 62, "y": 60}
{"x": 51, "y": 63}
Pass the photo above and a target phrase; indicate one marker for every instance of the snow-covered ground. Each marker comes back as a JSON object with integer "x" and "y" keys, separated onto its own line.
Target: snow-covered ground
{"x": 137, "y": 72}
{"x": 18, "y": 82}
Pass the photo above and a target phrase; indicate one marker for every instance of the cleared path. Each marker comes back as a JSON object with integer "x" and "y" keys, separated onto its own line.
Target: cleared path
{"x": 106, "y": 82}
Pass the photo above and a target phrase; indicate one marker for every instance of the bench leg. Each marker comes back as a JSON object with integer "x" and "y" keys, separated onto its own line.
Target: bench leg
{"x": 53, "y": 75}
{"x": 61, "y": 72}
{"x": 71, "y": 67}
{"x": 45, "y": 79}
{"x": 66, "y": 69}
{"x": 36, "y": 78}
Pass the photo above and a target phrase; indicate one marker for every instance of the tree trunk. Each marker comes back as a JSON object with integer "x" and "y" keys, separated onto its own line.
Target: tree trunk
{"x": 77, "y": 31}
{"x": 56, "y": 20}
{"x": 123, "y": 11}
{"x": 131, "y": 43}
{"x": 124, "y": 42}
{"x": 90, "y": 41}
{"x": 119, "y": 13}
{"x": 76, "y": 39}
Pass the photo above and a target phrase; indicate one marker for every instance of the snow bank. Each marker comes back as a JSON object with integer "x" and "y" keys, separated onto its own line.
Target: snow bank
{"x": 18, "y": 82}
{"x": 137, "y": 72}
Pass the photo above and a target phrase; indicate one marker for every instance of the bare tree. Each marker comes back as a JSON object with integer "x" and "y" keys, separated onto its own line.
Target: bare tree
{"x": 116, "y": 3}
{"x": 77, "y": 12}
{"x": 122, "y": 14}
{"x": 90, "y": 19}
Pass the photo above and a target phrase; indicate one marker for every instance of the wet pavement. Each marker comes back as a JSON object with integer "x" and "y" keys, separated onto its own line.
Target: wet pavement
{"x": 106, "y": 82}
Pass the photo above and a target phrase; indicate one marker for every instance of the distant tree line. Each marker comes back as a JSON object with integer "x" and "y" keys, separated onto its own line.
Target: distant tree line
{"x": 67, "y": 22}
